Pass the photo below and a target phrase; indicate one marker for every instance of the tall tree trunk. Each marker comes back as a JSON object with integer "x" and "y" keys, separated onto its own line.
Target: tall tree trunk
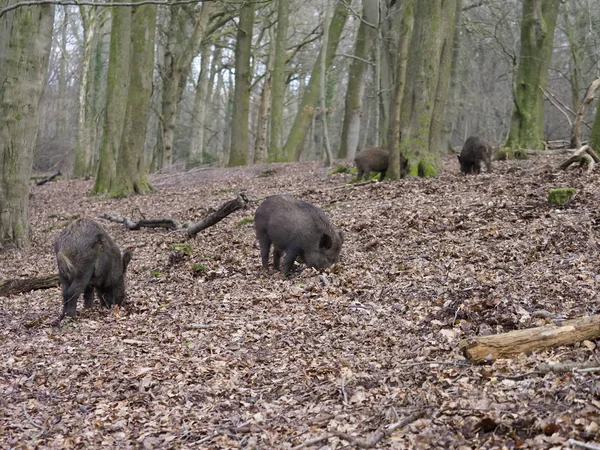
{"x": 278, "y": 82}
{"x": 117, "y": 88}
{"x": 224, "y": 122}
{"x": 406, "y": 29}
{"x": 199, "y": 114}
{"x": 322, "y": 85}
{"x": 427, "y": 78}
{"x": 537, "y": 38}
{"x": 213, "y": 99}
{"x": 356, "y": 82}
{"x": 84, "y": 150}
{"x": 131, "y": 174}
{"x": 25, "y": 39}
{"x": 595, "y": 136}
{"x": 293, "y": 145}
{"x": 238, "y": 155}
{"x": 262, "y": 122}
{"x": 574, "y": 61}
{"x": 61, "y": 114}
{"x": 181, "y": 49}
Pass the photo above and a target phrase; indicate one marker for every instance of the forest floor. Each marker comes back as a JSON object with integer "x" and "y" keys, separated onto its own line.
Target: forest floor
{"x": 277, "y": 363}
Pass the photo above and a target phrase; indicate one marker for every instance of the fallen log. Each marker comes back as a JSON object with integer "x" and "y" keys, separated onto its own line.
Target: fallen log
{"x": 19, "y": 286}
{"x": 192, "y": 228}
{"x": 47, "y": 179}
{"x": 584, "y": 156}
{"x": 490, "y": 348}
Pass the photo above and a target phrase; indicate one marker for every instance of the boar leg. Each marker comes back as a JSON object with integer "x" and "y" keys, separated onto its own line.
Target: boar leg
{"x": 70, "y": 296}
{"x": 88, "y": 297}
{"x": 359, "y": 174}
{"x": 265, "y": 247}
{"x": 277, "y": 252}
{"x": 288, "y": 261}
{"x": 367, "y": 175}
{"x": 382, "y": 175}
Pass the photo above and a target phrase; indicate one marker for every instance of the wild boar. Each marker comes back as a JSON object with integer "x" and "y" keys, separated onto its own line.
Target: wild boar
{"x": 473, "y": 153}
{"x": 298, "y": 229}
{"x": 372, "y": 159}
{"x": 88, "y": 259}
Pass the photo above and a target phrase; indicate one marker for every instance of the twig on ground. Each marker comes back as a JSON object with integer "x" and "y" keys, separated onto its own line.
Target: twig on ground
{"x": 583, "y": 444}
{"x": 226, "y": 323}
{"x": 568, "y": 367}
{"x": 442, "y": 363}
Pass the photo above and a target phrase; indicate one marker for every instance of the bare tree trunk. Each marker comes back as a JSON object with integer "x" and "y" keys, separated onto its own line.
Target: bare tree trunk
{"x": 84, "y": 150}
{"x": 118, "y": 79}
{"x": 61, "y": 116}
{"x": 238, "y": 155}
{"x": 301, "y": 124}
{"x": 181, "y": 49}
{"x": 537, "y": 38}
{"x": 25, "y": 39}
{"x": 131, "y": 176}
{"x": 356, "y": 80}
{"x": 323, "y": 93}
{"x": 199, "y": 114}
{"x": 262, "y": 121}
{"x": 278, "y": 82}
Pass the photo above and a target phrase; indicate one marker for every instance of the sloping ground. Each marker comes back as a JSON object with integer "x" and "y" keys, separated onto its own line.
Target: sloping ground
{"x": 278, "y": 362}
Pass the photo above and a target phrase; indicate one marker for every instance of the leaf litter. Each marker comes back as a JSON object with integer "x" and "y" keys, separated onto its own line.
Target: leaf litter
{"x": 214, "y": 352}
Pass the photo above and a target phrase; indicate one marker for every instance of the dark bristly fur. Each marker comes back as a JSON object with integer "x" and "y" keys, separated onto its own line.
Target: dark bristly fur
{"x": 372, "y": 159}
{"x": 89, "y": 259}
{"x": 473, "y": 153}
{"x": 297, "y": 229}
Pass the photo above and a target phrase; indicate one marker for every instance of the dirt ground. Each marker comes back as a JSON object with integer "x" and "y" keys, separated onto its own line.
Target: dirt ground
{"x": 276, "y": 363}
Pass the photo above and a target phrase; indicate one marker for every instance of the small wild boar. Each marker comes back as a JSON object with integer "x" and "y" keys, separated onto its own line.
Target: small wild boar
{"x": 298, "y": 229}
{"x": 89, "y": 259}
{"x": 473, "y": 153}
{"x": 372, "y": 159}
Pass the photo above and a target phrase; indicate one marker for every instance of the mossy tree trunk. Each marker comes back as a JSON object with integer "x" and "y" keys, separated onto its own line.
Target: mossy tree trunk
{"x": 181, "y": 48}
{"x": 84, "y": 149}
{"x": 426, "y": 88}
{"x": 356, "y": 84}
{"x": 302, "y": 121}
{"x": 595, "y": 136}
{"x": 25, "y": 39}
{"x": 199, "y": 114}
{"x": 131, "y": 176}
{"x": 261, "y": 144}
{"x": 537, "y": 38}
{"x": 278, "y": 82}
{"x": 117, "y": 89}
{"x": 238, "y": 155}
{"x": 405, "y": 34}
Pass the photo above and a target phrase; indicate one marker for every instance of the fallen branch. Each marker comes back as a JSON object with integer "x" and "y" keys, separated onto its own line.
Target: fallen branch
{"x": 585, "y": 153}
{"x": 50, "y": 178}
{"x": 192, "y": 228}
{"x": 583, "y": 444}
{"x": 19, "y": 286}
{"x": 567, "y": 367}
{"x": 368, "y": 443}
{"x": 490, "y": 348}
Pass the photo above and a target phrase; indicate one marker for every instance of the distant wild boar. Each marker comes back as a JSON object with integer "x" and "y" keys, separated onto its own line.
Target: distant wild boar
{"x": 372, "y": 159}
{"x": 89, "y": 259}
{"x": 297, "y": 229}
{"x": 473, "y": 153}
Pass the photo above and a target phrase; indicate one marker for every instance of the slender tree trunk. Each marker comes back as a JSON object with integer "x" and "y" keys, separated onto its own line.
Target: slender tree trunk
{"x": 118, "y": 78}
{"x": 322, "y": 86}
{"x": 238, "y": 155}
{"x": 356, "y": 84}
{"x": 223, "y": 157}
{"x": 199, "y": 114}
{"x": 595, "y": 136}
{"x": 101, "y": 50}
{"x": 574, "y": 61}
{"x": 131, "y": 174}
{"x": 86, "y": 127}
{"x": 537, "y": 38}
{"x": 181, "y": 50}
{"x": 262, "y": 122}
{"x": 310, "y": 98}
{"x": 427, "y": 77}
{"x": 25, "y": 39}
{"x": 213, "y": 100}
{"x": 406, "y": 28}
{"x": 61, "y": 114}
{"x": 278, "y": 82}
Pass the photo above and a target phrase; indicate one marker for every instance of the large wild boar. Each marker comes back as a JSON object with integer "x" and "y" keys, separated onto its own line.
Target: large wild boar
{"x": 473, "y": 153}
{"x": 298, "y": 229}
{"x": 89, "y": 259}
{"x": 372, "y": 159}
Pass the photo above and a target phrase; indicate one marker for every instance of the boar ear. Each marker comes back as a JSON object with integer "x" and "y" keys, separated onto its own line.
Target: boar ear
{"x": 325, "y": 241}
{"x": 126, "y": 259}
{"x": 341, "y": 235}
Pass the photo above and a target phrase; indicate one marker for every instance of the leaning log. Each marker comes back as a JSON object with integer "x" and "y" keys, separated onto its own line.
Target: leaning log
{"x": 47, "y": 179}
{"x": 19, "y": 286}
{"x": 490, "y": 348}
